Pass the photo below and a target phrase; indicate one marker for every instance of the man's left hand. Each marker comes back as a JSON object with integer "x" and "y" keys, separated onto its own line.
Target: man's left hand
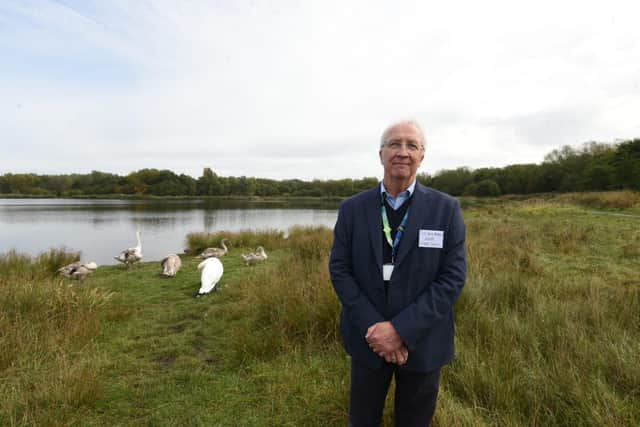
{"x": 383, "y": 338}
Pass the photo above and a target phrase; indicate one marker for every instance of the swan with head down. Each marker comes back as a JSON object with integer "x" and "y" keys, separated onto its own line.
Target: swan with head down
{"x": 78, "y": 270}
{"x": 211, "y": 270}
{"x": 255, "y": 257}
{"x": 171, "y": 264}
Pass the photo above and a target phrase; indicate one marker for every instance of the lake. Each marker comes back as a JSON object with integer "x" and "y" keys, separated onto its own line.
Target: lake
{"x": 100, "y": 229}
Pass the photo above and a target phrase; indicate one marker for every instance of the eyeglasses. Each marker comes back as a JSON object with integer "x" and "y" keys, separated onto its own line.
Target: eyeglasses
{"x": 396, "y": 145}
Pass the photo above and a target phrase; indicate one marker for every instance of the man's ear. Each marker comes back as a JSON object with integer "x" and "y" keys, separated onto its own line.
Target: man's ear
{"x": 380, "y": 156}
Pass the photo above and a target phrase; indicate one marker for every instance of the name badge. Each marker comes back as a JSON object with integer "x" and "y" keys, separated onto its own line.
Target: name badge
{"x": 431, "y": 239}
{"x": 387, "y": 269}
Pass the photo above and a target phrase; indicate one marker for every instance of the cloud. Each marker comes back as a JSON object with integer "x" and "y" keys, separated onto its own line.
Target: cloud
{"x": 304, "y": 89}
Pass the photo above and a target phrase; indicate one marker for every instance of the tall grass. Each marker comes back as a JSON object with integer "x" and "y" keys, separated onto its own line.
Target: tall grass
{"x": 287, "y": 304}
{"x": 548, "y": 326}
{"x": 269, "y": 239}
{"x": 625, "y": 199}
{"x": 290, "y": 304}
{"x": 46, "y": 263}
{"x": 631, "y": 248}
{"x": 548, "y": 332}
{"x": 48, "y": 366}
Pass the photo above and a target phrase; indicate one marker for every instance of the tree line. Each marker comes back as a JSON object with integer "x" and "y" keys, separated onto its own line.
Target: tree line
{"x": 592, "y": 166}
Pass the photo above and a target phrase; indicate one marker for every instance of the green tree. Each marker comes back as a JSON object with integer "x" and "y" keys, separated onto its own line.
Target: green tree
{"x": 453, "y": 181}
{"x": 21, "y": 183}
{"x": 209, "y": 184}
{"x": 57, "y": 184}
{"x": 626, "y": 162}
{"x": 484, "y": 188}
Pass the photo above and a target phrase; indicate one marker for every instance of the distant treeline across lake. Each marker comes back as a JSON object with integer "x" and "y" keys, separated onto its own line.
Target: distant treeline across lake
{"x": 590, "y": 167}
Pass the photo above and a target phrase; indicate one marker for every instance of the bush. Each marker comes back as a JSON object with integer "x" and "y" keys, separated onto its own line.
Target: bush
{"x": 484, "y": 188}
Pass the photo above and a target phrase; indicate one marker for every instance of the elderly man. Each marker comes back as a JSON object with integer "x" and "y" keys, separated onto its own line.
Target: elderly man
{"x": 398, "y": 264}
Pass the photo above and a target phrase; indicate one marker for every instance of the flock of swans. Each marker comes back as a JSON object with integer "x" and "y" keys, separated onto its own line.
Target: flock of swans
{"x": 211, "y": 268}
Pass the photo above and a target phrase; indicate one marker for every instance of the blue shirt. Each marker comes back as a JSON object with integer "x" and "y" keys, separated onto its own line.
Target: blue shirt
{"x": 396, "y": 202}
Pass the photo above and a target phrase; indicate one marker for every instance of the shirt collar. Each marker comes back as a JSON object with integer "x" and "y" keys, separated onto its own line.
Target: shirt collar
{"x": 408, "y": 192}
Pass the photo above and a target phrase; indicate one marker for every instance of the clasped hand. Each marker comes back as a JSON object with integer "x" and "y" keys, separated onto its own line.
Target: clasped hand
{"x": 385, "y": 341}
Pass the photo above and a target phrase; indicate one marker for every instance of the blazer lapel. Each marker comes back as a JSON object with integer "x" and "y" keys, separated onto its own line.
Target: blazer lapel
{"x": 374, "y": 220}
{"x": 418, "y": 210}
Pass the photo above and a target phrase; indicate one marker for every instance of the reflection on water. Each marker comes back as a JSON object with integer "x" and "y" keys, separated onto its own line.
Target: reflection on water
{"x": 102, "y": 228}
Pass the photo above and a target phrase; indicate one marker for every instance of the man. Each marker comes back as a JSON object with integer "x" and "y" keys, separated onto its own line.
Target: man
{"x": 398, "y": 264}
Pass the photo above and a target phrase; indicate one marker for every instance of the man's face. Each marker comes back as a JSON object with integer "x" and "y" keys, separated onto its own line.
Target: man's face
{"x": 398, "y": 156}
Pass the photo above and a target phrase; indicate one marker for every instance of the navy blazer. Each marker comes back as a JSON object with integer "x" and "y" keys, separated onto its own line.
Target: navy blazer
{"x": 424, "y": 286}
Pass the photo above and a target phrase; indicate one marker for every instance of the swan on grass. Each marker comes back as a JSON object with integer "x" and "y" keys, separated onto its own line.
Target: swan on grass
{"x": 211, "y": 272}
{"x": 171, "y": 264}
{"x": 131, "y": 255}
{"x": 78, "y": 270}
{"x": 215, "y": 252}
{"x": 255, "y": 257}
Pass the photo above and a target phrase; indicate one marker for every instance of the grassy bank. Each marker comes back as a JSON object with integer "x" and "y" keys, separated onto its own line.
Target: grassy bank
{"x": 548, "y": 332}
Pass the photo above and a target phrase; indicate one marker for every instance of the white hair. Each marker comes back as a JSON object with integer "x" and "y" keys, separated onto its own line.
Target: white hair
{"x": 411, "y": 122}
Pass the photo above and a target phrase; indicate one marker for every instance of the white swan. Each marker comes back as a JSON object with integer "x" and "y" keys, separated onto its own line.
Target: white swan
{"x": 171, "y": 264}
{"x": 131, "y": 255}
{"x": 210, "y": 276}
{"x": 255, "y": 257}
{"x": 215, "y": 252}
{"x": 78, "y": 270}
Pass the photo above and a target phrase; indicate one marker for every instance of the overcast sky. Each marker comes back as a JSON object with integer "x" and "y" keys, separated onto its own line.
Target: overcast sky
{"x": 303, "y": 89}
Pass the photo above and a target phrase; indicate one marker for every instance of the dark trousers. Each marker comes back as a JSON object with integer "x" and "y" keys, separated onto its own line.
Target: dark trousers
{"x": 414, "y": 401}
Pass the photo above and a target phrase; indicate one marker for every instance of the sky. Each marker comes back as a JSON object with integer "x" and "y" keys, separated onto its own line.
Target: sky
{"x": 304, "y": 89}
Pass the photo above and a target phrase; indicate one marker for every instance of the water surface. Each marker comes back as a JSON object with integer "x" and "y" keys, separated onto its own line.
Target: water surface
{"x": 100, "y": 229}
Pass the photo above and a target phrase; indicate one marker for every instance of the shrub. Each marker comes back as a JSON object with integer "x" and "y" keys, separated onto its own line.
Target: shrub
{"x": 484, "y": 188}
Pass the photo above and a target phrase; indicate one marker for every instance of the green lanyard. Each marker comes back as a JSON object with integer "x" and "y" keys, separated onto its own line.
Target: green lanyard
{"x": 386, "y": 228}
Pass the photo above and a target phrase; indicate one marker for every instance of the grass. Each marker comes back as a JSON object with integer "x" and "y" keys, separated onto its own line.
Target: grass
{"x": 548, "y": 331}
{"x": 615, "y": 200}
